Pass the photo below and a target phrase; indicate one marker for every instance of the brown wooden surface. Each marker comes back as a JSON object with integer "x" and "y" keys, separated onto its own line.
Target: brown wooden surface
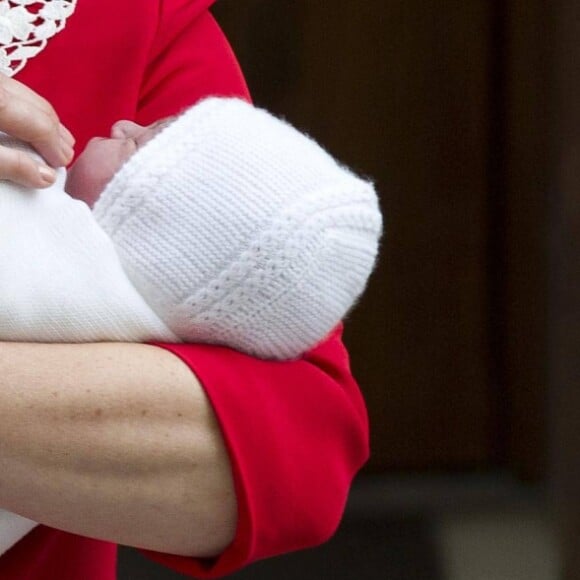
{"x": 524, "y": 268}
{"x": 400, "y": 91}
{"x": 565, "y": 291}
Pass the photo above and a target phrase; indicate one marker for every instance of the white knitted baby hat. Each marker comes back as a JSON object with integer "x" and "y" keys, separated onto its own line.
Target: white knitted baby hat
{"x": 239, "y": 230}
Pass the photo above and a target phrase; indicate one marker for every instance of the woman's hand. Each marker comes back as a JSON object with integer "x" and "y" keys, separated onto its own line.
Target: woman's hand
{"x": 25, "y": 115}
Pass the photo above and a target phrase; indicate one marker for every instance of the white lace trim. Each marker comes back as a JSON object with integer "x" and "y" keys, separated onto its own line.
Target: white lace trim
{"x": 26, "y": 26}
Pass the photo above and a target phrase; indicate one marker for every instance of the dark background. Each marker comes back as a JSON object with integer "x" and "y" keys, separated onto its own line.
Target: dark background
{"x": 444, "y": 104}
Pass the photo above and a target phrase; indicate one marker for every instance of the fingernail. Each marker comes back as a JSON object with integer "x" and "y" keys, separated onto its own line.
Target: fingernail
{"x": 117, "y": 132}
{"x": 66, "y": 135}
{"x": 47, "y": 174}
{"x": 67, "y": 152}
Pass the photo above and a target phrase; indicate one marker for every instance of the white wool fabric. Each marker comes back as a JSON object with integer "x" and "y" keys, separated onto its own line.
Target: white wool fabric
{"x": 60, "y": 277}
{"x": 239, "y": 230}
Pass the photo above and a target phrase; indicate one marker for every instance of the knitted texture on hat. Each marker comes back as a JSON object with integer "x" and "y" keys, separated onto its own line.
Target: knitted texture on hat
{"x": 239, "y": 230}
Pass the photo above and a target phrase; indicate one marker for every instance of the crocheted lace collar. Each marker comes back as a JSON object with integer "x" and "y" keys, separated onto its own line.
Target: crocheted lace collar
{"x": 26, "y": 26}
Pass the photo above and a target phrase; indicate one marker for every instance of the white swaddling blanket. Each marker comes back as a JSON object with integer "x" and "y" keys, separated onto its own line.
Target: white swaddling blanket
{"x": 51, "y": 246}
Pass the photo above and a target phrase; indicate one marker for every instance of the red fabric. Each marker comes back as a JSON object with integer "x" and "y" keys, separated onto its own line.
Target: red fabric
{"x": 297, "y": 432}
{"x": 47, "y": 554}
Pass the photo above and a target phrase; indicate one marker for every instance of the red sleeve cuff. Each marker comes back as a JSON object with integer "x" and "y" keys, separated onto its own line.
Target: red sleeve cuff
{"x": 297, "y": 433}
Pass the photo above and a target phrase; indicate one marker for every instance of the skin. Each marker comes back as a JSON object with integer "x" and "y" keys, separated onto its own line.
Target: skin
{"x": 103, "y": 157}
{"x": 112, "y": 441}
{"x": 29, "y": 117}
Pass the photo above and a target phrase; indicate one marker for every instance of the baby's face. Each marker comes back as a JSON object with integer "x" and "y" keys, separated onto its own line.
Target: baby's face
{"x": 103, "y": 157}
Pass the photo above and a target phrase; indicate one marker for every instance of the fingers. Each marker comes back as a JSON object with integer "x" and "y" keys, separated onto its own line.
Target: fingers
{"x": 125, "y": 130}
{"x": 17, "y": 166}
{"x": 27, "y": 116}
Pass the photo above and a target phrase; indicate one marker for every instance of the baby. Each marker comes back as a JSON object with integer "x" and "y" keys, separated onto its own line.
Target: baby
{"x": 223, "y": 225}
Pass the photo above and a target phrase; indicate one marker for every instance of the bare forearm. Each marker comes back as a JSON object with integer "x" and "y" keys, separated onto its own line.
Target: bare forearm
{"x": 114, "y": 441}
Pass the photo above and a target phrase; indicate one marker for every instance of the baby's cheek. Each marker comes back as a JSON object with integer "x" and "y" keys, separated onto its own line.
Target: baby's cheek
{"x": 84, "y": 183}
{"x": 96, "y": 166}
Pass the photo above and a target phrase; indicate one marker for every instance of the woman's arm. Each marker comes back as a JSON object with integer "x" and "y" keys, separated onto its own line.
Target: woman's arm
{"x": 114, "y": 441}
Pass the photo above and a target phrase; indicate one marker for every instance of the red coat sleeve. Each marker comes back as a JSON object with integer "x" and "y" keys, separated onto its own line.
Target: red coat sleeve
{"x": 297, "y": 432}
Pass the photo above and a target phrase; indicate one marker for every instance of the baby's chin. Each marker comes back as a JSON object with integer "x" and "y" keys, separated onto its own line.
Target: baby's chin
{"x": 89, "y": 175}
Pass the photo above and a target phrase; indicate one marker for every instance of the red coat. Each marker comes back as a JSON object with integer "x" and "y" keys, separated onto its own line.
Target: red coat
{"x": 297, "y": 432}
